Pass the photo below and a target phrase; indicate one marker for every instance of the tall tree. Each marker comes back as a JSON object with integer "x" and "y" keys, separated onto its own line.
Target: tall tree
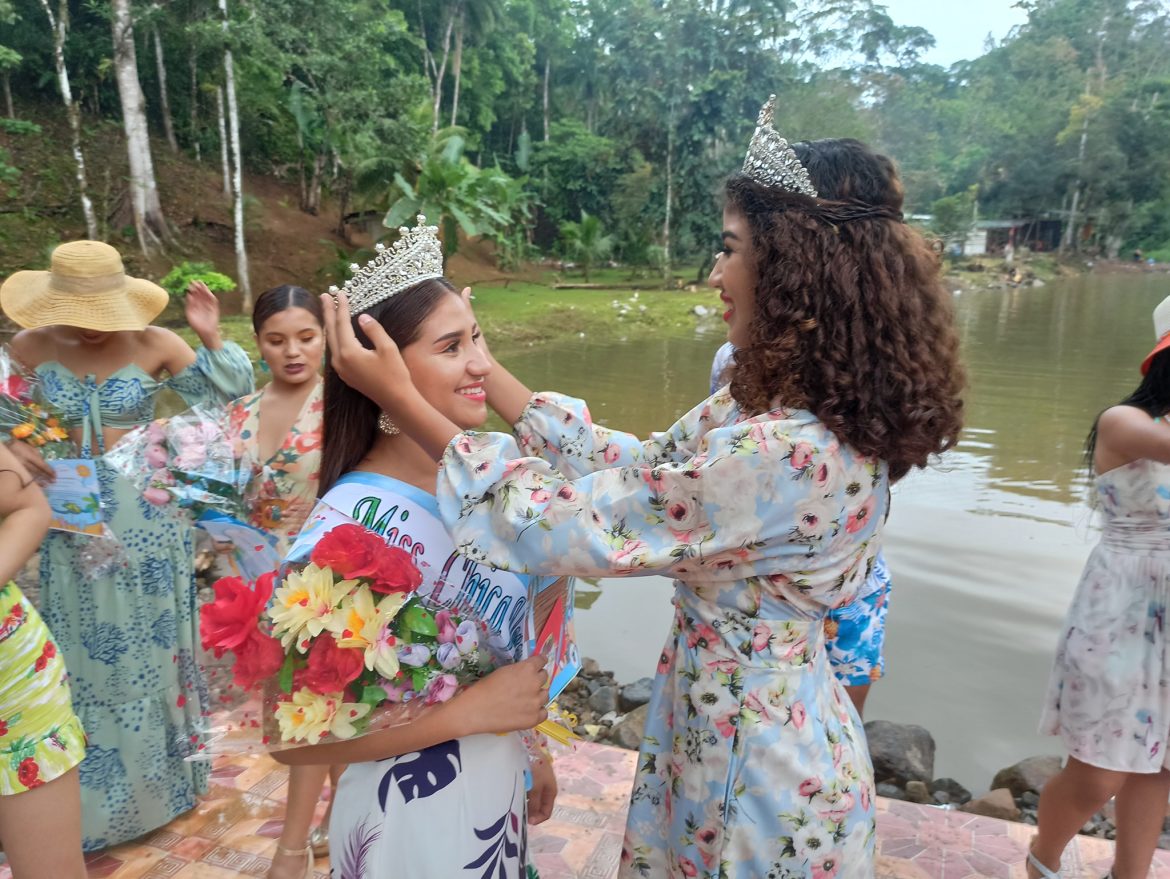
{"x": 9, "y": 58}
{"x": 59, "y": 24}
{"x": 479, "y": 16}
{"x": 164, "y": 100}
{"x": 243, "y": 276}
{"x": 149, "y": 222}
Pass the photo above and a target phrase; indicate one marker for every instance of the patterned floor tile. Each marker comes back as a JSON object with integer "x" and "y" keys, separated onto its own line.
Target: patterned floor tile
{"x": 233, "y": 831}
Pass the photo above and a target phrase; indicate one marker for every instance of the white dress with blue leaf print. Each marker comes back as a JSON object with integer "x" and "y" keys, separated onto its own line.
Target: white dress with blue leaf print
{"x": 456, "y": 810}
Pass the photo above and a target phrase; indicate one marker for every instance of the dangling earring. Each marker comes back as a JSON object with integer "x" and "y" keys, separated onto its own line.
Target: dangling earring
{"x": 387, "y": 426}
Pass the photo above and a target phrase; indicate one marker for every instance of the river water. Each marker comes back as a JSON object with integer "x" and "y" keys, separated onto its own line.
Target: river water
{"x": 985, "y": 548}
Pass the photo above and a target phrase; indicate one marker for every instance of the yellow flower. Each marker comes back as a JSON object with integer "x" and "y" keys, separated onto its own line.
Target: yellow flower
{"x": 307, "y": 716}
{"x": 359, "y": 623}
{"x": 22, "y": 431}
{"x": 304, "y": 605}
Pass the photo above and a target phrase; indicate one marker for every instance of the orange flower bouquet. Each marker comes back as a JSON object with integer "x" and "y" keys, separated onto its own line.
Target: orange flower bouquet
{"x": 23, "y": 414}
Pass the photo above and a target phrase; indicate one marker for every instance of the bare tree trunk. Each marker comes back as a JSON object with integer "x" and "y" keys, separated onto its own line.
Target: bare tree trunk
{"x": 237, "y": 169}
{"x": 442, "y": 72}
{"x": 304, "y": 203}
{"x": 149, "y": 222}
{"x": 547, "y": 74}
{"x": 313, "y": 204}
{"x": 1067, "y": 240}
{"x": 667, "y": 274}
{"x": 458, "y": 64}
{"x": 223, "y": 142}
{"x": 59, "y": 23}
{"x": 194, "y": 123}
{"x": 163, "y": 99}
{"x": 8, "y": 97}
{"x": 344, "y": 185}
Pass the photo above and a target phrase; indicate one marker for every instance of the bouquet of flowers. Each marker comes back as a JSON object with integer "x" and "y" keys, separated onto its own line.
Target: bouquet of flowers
{"x": 24, "y": 415}
{"x": 336, "y": 647}
{"x": 188, "y": 462}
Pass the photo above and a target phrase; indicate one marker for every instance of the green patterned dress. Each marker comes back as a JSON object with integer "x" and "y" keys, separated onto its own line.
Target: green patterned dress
{"x": 129, "y": 631}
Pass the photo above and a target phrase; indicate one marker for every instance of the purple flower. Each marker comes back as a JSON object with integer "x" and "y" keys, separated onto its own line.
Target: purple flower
{"x": 449, "y": 656}
{"x": 467, "y": 637}
{"x": 416, "y": 655}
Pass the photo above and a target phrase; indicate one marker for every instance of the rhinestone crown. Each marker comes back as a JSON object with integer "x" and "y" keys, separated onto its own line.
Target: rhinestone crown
{"x": 771, "y": 161}
{"x": 416, "y": 256}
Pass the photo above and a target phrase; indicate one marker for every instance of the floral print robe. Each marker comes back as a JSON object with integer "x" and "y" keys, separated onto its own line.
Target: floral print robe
{"x": 752, "y": 764}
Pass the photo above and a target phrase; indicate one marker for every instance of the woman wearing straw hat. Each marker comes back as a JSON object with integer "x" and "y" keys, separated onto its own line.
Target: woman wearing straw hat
{"x": 128, "y": 631}
{"x": 1109, "y": 695}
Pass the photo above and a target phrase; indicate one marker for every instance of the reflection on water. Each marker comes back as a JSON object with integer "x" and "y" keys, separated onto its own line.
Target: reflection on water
{"x": 985, "y": 548}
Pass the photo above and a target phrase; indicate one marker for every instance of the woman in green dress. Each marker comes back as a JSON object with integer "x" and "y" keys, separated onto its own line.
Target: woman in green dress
{"x": 128, "y": 629}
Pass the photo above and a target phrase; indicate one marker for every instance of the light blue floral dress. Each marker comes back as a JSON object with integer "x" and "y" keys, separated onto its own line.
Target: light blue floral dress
{"x": 752, "y": 763}
{"x": 129, "y": 633}
{"x": 855, "y": 633}
{"x": 1109, "y": 695}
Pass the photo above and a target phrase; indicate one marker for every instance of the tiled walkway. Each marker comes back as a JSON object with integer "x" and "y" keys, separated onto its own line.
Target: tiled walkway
{"x": 232, "y": 833}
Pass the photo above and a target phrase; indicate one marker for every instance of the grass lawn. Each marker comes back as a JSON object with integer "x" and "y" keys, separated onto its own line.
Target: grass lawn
{"x": 519, "y": 315}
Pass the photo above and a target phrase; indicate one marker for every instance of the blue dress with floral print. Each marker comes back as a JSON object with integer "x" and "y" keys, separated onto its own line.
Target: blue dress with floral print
{"x": 753, "y": 763}
{"x": 128, "y": 632}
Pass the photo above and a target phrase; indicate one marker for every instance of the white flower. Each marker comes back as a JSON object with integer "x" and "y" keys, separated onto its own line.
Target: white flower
{"x": 815, "y": 518}
{"x": 811, "y": 840}
{"x": 684, "y": 513}
{"x": 304, "y": 605}
{"x": 712, "y": 699}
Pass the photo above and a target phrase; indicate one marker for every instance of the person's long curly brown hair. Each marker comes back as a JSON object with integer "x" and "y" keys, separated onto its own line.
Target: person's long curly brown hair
{"x": 851, "y": 319}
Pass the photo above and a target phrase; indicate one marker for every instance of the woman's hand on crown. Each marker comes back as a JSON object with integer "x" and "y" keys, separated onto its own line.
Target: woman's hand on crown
{"x": 378, "y": 373}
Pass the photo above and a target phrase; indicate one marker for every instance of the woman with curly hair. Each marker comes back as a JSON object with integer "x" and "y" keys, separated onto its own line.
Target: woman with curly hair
{"x": 765, "y": 503}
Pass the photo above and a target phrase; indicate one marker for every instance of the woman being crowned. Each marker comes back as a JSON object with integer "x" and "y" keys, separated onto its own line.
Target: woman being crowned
{"x": 444, "y": 795}
{"x": 765, "y": 502}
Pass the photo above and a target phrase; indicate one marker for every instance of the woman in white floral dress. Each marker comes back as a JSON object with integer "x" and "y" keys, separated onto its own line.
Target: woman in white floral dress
{"x": 764, "y": 502}
{"x": 1109, "y": 696}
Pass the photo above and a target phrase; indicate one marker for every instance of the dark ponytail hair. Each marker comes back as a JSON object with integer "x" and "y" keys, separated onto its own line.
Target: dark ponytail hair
{"x": 1152, "y": 396}
{"x": 281, "y": 298}
{"x": 351, "y": 418}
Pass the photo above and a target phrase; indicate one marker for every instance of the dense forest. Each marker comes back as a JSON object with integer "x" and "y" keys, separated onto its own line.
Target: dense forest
{"x": 594, "y": 129}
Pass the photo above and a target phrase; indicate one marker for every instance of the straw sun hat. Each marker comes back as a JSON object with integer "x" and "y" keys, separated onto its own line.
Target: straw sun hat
{"x": 86, "y": 287}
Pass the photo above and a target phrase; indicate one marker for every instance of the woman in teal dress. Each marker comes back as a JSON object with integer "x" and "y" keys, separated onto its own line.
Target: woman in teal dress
{"x": 128, "y": 630}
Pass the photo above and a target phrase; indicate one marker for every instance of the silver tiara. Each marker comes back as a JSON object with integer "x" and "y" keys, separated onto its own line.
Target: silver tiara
{"x": 416, "y": 256}
{"x": 771, "y": 161}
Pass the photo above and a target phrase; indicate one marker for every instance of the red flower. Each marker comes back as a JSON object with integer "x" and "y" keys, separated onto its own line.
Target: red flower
{"x": 15, "y": 387}
{"x": 352, "y": 552}
{"x": 28, "y": 771}
{"x": 232, "y": 618}
{"x": 348, "y": 550}
{"x": 3, "y": 728}
{"x": 331, "y": 668}
{"x": 396, "y": 572}
{"x": 50, "y": 650}
{"x": 41, "y": 664}
{"x": 258, "y": 657}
